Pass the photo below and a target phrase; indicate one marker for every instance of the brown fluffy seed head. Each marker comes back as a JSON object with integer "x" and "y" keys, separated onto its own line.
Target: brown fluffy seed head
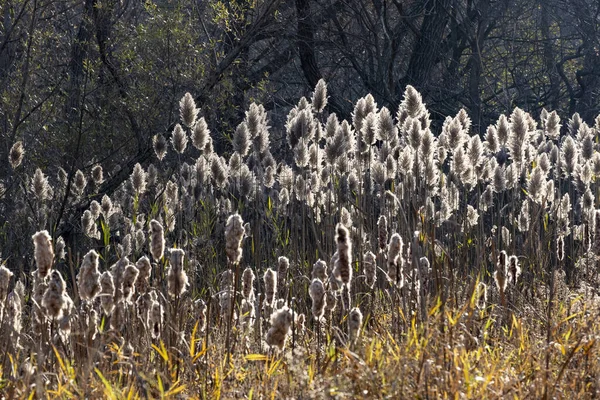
{"x": 201, "y": 307}
{"x": 316, "y": 292}
{"x": 394, "y": 260}
{"x": 234, "y": 233}
{"x": 88, "y": 279}
{"x": 159, "y": 143}
{"x": 270, "y": 279}
{"x": 248, "y": 284}
{"x": 138, "y": 179}
{"x": 343, "y": 266}
{"x": 188, "y": 110}
{"x": 16, "y": 154}
{"x": 283, "y": 264}
{"x": 43, "y": 254}
{"x": 500, "y": 273}
{"x": 281, "y": 321}
{"x": 157, "y": 240}
{"x": 155, "y": 319}
{"x": 179, "y": 139}
{"x": 319, "y": 270}
{"x": 107, "y": 293}
{"x": 130, "y": 275}
{"x": 176, "y": 277}
{"x": 354, "y": 323}
{"x": 514, "y": 270}
{"x": 382, "y": 231}
{"x": 54, "y": 298}
{"x": 142, "y": 282}
{"x": 370, "y": 268}
{"x": 97, "y": 175}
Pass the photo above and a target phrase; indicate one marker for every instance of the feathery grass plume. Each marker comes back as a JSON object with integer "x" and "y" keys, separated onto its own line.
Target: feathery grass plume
{"x": 491, "y": 140}
{"x": 16, "y": 154}
{"x": 176, "y": 276}
{"x": 536, "y": 185}
{"x": 157, "y": 240}
{"x": 270, "y": 279}
{"x": 40, "y": 186}
{"x": 560, "y": 248}
{"x": 64, "y": 321}
{"x": 331, "y": 298}
{"x": 201, "y": 314}
{"x": 331, "y": 126}
{"x": 179, "y": 139}
{"x": 345, "y": 218}
{"x": 138, "y": 179}
{"x": 500, "y": 273}
{"x": 319, "y": 270}
{"x": 343, "y": 265}
{"x": 319, "y": 99}
{"x": 248, "y": 284}
{"x": 502, "y": 130}
{"x": 107, "y": 293}
{"x": 454, "y": 134}
{"x": 88, "y": 225}
{"x": 281, "y": 321}
{"x": 370, "y": 268}
{"x": 234, "y": 233}
{"x": 13, "y": 315}
{"x": 475, "y": 150}
{"x": 302, "y": 125}
{"x": 97, "y": 175}
{"x": 142, "y": 283}
{"x": 95, "y": 209}
{"x": 130, "y": 274}
{"x": 378, "y": 172}
{"x": 569, "y": 155}
{"x": 514, "y": 269}
{"x": 200, "y": 134}
{"x": 219, "y": 171}
{"x": 241, "y": 139}
{"x": 107, "y": 207}
{"x": 316, "y": 292}
{"x": 386, "y": 130}
{"x": 552, "y": 126}
{"x": 283, "y": 264}
{"x": 54, "y": 300}
{"x": 43, "y": 253}
{"x": 368, "y": 132}
{"x": 355, "y": 319}
{"x": 59, "y": 248}
{"x": 394, "y": 262}
{"x": 188, "y": 110}
{"x": 411, "y": 105}
{"x": 413, "y": 132}
{"x": 382, "y": 232}
{"x": 159, "y": 143}
{"x": 155, "y": 319}
{"x": 481, "y": 294}
{"x": 88, "y": 278}
{"x": 562, "y": 215}
{"x": 79, "y": 182}
{"x": 574, "y": 124}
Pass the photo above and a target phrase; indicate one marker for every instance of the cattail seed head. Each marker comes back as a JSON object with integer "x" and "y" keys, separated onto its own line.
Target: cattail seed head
{"x": 130, "y": 274}
{"x": 54, "y": 297}
{"x": 316, "y": 292}
{"x": 382, "y": 232}
{"x": 270, "y": 279}
{"x": 281, "y": 321}
{"x": 395, "y": 261}
{"x": 234, "y": 233}
{"x": 142, "y": 282}
{"x": 40, "y": 186}
{"x": 157, "y": 240}
{"x": 107, "y": 293}
{"x": 319, "y": 270}
{"x": 500, "y": 273}
{"x": 44, "y": 254}
{"x": 514, "y": 270}
{"x": 343, "y": 266}
{"x": 138, "y": 179}
{"x": 155, "y": 319}
{"x": 176, "y": 276}
{"x": 88, "y": 279}
{"x": 248, "y": 284}
{"x": 354, "y": 323}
